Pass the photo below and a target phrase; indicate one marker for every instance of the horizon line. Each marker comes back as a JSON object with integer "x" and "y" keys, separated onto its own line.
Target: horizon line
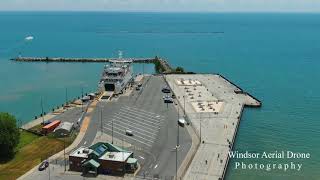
{"x": 154, "y": 11}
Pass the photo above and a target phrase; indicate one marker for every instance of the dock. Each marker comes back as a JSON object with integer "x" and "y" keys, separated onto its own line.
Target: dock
{"x": 163, "y": 63}
{"x": 213, "y": 106}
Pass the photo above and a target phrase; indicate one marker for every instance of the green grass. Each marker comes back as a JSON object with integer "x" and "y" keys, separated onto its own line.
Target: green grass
{"x": 31, "y": 150}
{"x": 26, "y": 138}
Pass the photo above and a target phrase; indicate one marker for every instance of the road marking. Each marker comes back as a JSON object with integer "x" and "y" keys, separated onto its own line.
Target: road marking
{"x": 132, "y": 127}
{"x": 127, "y": 125}
{"x": 153, "y": 116}
{"x": 121, "y": 130}
{"x": 142, "y": 121}
{"x": 128, "y": 107}
{"x": 125, "y": 115}
{"x": 155, "y": 166}
{"x": 153, "y": 120}
{"x": 128, "y": 137}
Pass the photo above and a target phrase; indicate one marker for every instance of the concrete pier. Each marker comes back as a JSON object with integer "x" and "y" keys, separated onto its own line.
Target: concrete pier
{"x": 164, "y": 63}
{"x": 213, "y": 106}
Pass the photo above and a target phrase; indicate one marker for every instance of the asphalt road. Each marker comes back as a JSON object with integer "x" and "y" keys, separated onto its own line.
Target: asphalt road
{"x": 153, "y": 123}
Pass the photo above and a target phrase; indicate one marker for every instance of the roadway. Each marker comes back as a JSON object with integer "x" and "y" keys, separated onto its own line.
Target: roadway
{"x": 154, "y": 125}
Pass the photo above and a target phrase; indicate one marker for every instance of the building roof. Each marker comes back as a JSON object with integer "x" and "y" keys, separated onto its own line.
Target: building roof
{"x": 91, "y": 162}
{"x": 116, "y": 156}
{"x": 82, "y": 152}
{"x": 132, "y": 161}
{"x": 66, "y": 126}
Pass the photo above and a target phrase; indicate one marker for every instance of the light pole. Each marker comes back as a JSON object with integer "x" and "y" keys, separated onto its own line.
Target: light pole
{"x": 178, "y": 144}
{"x": 42, "y": 111}
{"x": 82, "y": 99}
{"x": 200, "y": 126}
{"x": 101, "y": 119}
{"x": 64, "y": 152}
{"x": 66, "y": 96}
{"x": 184, "y": 105}
{"x": 112, "y": 131}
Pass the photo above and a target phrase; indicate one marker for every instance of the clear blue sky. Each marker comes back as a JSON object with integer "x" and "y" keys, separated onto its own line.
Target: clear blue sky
{"x": 164, "y": 5}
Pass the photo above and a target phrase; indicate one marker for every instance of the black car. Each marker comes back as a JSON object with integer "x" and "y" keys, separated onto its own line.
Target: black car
{"x": 166, "y": 90}
{"x": 43, "y": 165}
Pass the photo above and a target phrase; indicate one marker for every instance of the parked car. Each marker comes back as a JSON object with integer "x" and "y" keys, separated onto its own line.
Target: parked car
{"x": 168, "y": 100}
{"x": 129, "y": 132}
{"x": 173, "y": 96}
{"x": 139, "y": 85}
{"x": 181, "y": 122}
{"x": 137, "y": 88}
{"x": 166, "y": 90}
{"x": 43, "y": 165}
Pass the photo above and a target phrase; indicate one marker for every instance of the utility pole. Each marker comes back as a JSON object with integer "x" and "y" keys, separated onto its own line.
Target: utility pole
{"x": 184, "y": 105}
{"x": 101, "y": 119}
{"x": 49, "y": 171}
{"x": 112, "y": 131}
{"x": 66, "y": 96}
{"x": 177, "y": 163}
{"x": 42, "y": 111}
{"x": 200, "y": 126}
{"x": 82, "y": 99}
{"x": 177, "y": 145}
{"x": 64, "y": 153}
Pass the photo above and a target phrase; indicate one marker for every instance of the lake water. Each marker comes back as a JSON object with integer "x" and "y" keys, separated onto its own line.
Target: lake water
{"x": 275, "y": 57}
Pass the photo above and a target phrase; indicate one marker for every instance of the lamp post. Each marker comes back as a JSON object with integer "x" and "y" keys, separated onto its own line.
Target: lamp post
{"x": 64, "y": 152}
{"x": 66, "y": 96}
{"x": 112, "y": 131}
{"x": 42, "y": 111}
{"x": 101, "y": 119}
{"x": 200, "y": 126}
{"x": 184, "y": 105}
{"x": 82, "y": 99}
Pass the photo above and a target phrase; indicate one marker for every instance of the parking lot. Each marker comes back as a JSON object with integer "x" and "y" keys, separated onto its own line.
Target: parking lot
{"x": 143, "y": 124}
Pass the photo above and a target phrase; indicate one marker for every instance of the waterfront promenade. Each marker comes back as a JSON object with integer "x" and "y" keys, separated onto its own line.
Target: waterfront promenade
{"x": 213, "y": 106}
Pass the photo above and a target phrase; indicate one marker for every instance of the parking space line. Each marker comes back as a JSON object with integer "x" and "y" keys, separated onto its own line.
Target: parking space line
{"x": 121, "y": 130}
{"x": 151, "y": 129}
{"x": 128, "y": 107}
{"x": 138, "y": 121}
{"x": 142, "y": 124}
{"x": 117, "y": 122}
{"x": 154, "y": 119}
{"x": 128, "y": 137}
{"x": 154, "y": 116}
{"x": 141, "y": 118}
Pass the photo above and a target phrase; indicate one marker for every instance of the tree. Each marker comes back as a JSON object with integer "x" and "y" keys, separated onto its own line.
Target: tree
{"x": 179, "y": 69}
{"x": 9, "y": 135}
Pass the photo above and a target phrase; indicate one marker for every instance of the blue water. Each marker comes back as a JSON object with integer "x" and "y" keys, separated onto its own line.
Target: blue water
{"x": 275, "y": 57}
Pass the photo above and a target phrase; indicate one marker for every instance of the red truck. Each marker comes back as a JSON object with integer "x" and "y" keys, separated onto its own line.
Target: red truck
{"x": 50, "y": 127}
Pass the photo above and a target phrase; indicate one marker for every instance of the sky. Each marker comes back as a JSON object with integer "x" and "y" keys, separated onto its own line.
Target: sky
{"x": 163, "y": 5}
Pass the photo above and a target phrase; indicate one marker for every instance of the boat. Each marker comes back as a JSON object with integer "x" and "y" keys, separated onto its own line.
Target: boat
{"x": 116, "y": 76}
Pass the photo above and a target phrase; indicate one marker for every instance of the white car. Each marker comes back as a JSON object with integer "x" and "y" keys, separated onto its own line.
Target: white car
{"x": 129, "y": 132}
{"x": 181, "y": 122}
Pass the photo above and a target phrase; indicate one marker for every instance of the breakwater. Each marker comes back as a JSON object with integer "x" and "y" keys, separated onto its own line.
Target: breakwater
{"x": 162, "y": 63}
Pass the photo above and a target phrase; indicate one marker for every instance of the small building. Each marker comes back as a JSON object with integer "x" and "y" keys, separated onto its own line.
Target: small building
{"x": 102, "y": 158}
{"x": 64, "y": 129}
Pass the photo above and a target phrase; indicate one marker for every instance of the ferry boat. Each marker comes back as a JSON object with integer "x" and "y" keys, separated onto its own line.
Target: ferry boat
{"x": 116, "y": 75}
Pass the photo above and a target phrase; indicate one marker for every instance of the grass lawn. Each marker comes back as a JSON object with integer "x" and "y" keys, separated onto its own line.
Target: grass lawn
{"x": 32, "y": 150}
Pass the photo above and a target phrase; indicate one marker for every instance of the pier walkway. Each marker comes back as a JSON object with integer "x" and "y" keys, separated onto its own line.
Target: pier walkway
{"x": 164, "y": 63}
{"x": 213, "y": 106}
